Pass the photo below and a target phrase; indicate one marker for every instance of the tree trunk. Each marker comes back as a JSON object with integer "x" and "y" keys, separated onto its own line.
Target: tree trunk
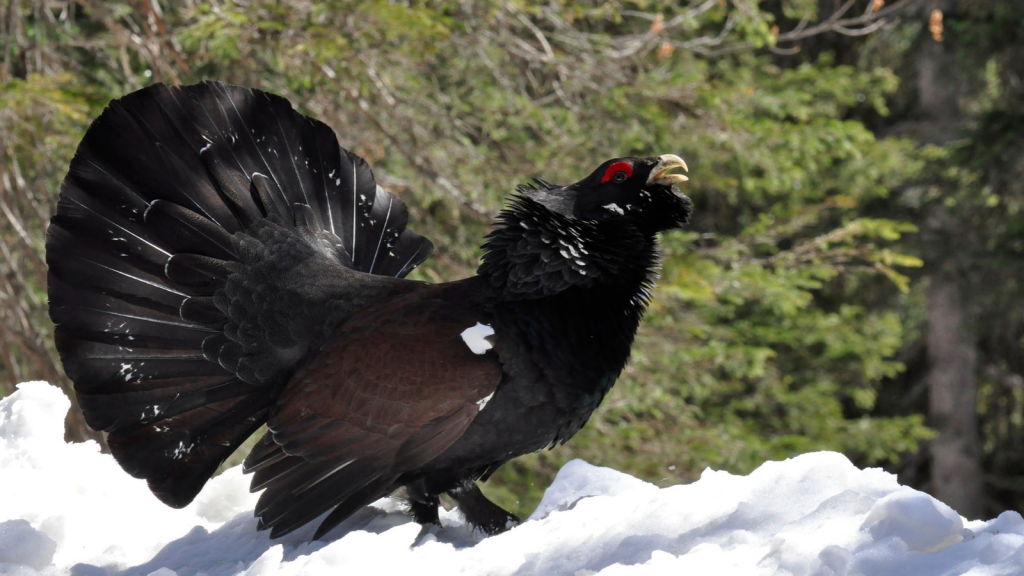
{"x": 956, "y": 474}
{"x": 956, "y": 477}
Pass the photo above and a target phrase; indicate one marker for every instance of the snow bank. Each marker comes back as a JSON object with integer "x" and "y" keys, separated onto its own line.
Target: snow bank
{"x": 68, "y": 509}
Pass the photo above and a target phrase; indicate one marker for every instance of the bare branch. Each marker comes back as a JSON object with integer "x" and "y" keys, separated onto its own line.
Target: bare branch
{"x": 722, "y": 42}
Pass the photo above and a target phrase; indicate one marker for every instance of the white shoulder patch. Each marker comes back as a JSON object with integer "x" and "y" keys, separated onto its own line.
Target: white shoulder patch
{"x": 613, "y": 207}
{"x": 476, "y": 338}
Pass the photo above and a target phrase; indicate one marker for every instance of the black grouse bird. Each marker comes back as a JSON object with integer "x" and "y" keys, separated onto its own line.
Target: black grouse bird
{"x": 218, "y": 262}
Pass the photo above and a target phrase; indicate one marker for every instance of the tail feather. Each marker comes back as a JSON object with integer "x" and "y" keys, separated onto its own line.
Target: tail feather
{"x": 202, "y": 311}
{"x": 175, "y": 396}
{"x": 187, "y": 232}
{"x": 81, "y": 218}
{"x": 80, "y": 262}
{"x": 146, "y": 130}
{"x": 165, "y": 190}
{"x": 110, "y": 369}
{"x": 196, "y": 270}
{"x": 90, "y": 269}
{"x": 108, "y": 320}
{"x": 177, "y": 461}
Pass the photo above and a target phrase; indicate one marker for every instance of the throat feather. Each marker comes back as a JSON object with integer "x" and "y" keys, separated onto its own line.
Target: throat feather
{"x": 536, "y": 252}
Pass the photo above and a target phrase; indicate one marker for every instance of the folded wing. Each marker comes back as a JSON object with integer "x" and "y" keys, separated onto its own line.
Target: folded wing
{"x": 394, "y": 388}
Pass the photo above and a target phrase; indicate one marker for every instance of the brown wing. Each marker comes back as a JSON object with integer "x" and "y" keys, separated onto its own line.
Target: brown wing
{"x": 393, "y": 389}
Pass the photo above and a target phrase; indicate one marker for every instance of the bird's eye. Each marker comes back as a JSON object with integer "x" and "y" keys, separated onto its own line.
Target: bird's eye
{"x": 618, "y": 172}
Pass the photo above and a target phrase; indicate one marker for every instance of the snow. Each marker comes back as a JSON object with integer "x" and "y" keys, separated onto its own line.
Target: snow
{"x": 23, "y": 544}
{"x": 67, "y": 509}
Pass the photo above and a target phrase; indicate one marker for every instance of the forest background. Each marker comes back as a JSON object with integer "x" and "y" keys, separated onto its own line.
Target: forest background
{"x": 851, "y": 279}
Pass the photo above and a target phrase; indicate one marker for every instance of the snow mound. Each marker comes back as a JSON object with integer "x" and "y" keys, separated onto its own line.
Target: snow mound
{"x": 68, "y": 509}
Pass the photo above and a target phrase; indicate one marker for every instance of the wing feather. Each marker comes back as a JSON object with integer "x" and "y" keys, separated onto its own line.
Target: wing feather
{"x": 393, "y": 389}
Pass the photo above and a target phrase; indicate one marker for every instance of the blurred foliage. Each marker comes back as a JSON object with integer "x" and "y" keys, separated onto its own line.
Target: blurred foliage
{"x": 985, "y": 172}
{"x": 968, "y": 200}
{"x": 781, "y": 311}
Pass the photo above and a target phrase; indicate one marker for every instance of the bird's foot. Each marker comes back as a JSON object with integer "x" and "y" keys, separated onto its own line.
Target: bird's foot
{"x": 497, "y": 523}
{"x": 481, "y": 512}
{"x": 421, "y": 506}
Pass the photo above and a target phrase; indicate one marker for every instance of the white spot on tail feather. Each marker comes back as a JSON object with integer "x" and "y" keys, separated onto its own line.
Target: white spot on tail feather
{"x": 476, "y": 338}
{"x": 182, "y": 450}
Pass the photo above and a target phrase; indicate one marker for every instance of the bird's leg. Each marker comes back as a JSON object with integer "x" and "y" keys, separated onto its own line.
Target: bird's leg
{"x": 481, "y": 512}
{"x": 422, "y": 506}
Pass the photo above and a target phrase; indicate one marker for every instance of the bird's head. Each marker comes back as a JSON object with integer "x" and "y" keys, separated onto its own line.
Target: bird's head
{"x": 638, "y": 191}
{"x": 600, "y": 230}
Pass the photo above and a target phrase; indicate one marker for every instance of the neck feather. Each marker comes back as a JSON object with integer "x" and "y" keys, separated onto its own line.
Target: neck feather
{"x": 535, "y": 252}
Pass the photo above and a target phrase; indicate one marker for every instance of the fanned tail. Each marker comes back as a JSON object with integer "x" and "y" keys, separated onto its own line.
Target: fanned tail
{"x": 168, "y": 188}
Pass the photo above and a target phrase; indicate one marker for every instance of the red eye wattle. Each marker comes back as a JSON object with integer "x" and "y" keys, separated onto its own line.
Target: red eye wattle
{"x": 624, "y": 167}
